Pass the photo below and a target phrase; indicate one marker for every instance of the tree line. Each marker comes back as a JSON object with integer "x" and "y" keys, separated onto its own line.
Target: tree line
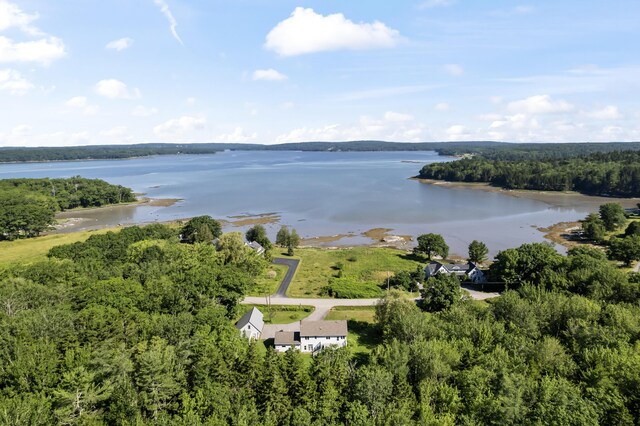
{"x": 28, "y": 206}
{"x": 607, "y": 174}
{"x": 491, "y": 150}
{"x": 136, "y": 327}
{"x": 99, "y": 152}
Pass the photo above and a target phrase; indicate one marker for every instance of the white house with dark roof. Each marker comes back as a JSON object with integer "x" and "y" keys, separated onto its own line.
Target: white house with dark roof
{"x": 461, "y": 270}
{"x": 313, "y": 336}
{"x": 251, "y": 324}
{"x": 284, "y": 340}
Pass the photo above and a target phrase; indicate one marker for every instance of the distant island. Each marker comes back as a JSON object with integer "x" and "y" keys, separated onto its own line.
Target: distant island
{"x": 496, "y": 150}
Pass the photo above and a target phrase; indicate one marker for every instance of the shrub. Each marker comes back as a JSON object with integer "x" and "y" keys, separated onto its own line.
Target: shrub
{"x": 348, "y": 288}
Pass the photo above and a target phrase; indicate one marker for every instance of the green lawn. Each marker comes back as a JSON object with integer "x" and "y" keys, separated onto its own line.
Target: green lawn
{"x": 33, "y": 249}
{"x": 319, "y": 265}
{"x": 279, "y": 314}
{"x": 363, "y": 334}
{"x": 270, "y": 280}
{"x": 357, "y": 313}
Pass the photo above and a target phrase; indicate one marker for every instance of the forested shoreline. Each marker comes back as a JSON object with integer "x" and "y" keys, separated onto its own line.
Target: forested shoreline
{"x": 614, "y": 173}
{"x": 28, "y": 206}
{"x": 135, "y": 327}
{"x": 494, "y": 150}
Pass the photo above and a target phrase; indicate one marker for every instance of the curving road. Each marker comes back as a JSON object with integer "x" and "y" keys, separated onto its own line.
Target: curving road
{"x": 322, "y": 306}
{"x": 293, "y": 266}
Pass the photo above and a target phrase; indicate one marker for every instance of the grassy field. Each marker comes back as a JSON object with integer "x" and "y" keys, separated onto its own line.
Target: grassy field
{"x": 32, "y": 249}
{"x": 319, "y": 265}
{"x": 363, "y": 334}
{"x": 279, "y": 314}
{"x": 270, "y": 280}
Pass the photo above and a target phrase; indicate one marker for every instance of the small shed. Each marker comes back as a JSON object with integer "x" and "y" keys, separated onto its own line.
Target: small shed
{"x": 251, "y": 324}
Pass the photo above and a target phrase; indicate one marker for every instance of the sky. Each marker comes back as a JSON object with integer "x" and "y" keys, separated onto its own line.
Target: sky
{"x": 81, "y": 72}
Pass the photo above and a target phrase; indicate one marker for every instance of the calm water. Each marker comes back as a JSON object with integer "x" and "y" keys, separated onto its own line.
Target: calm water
{"x": 319, "y": 193}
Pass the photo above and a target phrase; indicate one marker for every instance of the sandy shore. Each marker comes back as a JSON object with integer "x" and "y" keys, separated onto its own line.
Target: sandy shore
{"x": 554, "y": 198}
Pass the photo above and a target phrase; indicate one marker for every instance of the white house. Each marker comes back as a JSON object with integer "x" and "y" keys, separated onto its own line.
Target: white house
{"x": 470, "y": 270}
{"x": 251, "y": 324}
{"x": 284, "y": 340}
{"x": 313, "y": 336}
{"x": 255, "y": 246}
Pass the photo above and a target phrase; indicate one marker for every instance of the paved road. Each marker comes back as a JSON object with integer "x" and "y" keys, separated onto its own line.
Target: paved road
{"x": 322, "y": 306}
{"x": 293, "y": 265}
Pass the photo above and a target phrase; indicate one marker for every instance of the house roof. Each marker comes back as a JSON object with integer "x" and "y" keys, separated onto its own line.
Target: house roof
{"x": 458, "y": 268}
{"x": 287, "y": 338}
{"x": 253, "y": 317}
{"x": 256, "y": 246}
{"x": 323, "y": 328}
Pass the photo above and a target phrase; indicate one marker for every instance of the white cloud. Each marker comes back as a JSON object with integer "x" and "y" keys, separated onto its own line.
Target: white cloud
{"x": 191, "y": 101}
{"x": 496, "y": 99}
{"x": 116, "y": 89}
{"x": 442, "y": 106}
{"x": 82, "y": 103}
{"x": 77, "y": 102}
{"x": 179, "y": 126}
{"x": 141, "y": 111}
{"x": 397, "y": 116}
{"x": 268, "y": 75}
{"x": 120, "y": 44}
{"x": 11, "y": 16}
{"x": 609, "y": 112}
{"x": 12, "y": 81}
{"x": 454, "y": 70}
{"x": 44, "y": 51}
{"x": 305, "y": 31}
{"x": 458, "y": 132}
{"x": 540, "y": 104}
{"x": 436, "y": 3}
{"x": 237, "y": 136}
{"x": 392, "y": 126}
{"x": 173, "y": 24}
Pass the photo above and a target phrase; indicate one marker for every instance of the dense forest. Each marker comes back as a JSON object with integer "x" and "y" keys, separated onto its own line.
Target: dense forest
{"x": 135, "y": 328}
{"x": 28, "y": 206}
{"x": 493, "y": 150}
{"x": 99, "y": 152}
{"x": 609, "y": 174}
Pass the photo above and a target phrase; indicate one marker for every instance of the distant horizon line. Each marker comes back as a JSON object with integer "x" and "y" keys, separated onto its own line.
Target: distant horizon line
{"x": 248, "y": 144}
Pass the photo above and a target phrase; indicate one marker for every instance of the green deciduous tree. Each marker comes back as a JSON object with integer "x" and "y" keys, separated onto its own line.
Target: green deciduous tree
{"x": 478, "y": 252}
{"x": 258, "y": 234}
{"x": 432, "y": 245}
{"x": 593, "y": 228}
{"x": 633, "y": 228}
{"x": 201, "y": 229}
{"x": 612, "y": 215}
{"x": 440, "y": 292}
{"x": 625, "y": 249}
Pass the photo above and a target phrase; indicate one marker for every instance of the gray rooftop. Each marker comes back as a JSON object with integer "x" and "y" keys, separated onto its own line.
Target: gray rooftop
{"x": 253, "y": 317}
{"x": 323, "y": 328}
{"x": 286, "y": 338}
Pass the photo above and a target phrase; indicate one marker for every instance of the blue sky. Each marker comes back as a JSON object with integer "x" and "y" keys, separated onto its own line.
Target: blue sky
{"x": 79, "y": 72}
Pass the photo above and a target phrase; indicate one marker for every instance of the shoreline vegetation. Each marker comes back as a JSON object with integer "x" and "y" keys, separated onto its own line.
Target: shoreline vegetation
{"x": 553, "y": 198}
{"x": 12, "y": 155}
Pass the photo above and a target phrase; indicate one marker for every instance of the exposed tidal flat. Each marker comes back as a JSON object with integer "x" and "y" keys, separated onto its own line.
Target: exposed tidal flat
{"x": 331, "y": 198}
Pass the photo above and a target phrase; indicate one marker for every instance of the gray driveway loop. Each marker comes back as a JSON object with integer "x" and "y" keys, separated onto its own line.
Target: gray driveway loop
{"x": 293, "y": 265}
